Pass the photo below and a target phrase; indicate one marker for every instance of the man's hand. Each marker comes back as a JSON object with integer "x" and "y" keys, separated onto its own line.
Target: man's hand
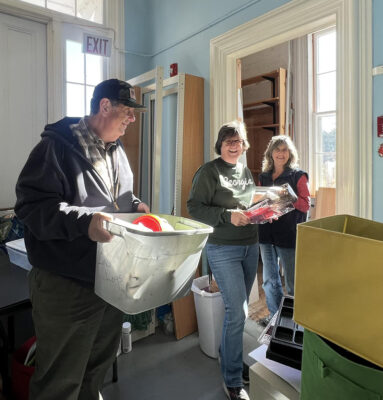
{"x": 96, "y": 232}
{"x": 142, "y": 207}
{"x": 238, "y": 218}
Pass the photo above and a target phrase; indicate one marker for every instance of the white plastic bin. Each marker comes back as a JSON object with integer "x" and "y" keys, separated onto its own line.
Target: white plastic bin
{"x": 210, "y": 312}
{"x": 140, "y": 270}
{"x": 18, "y": 253}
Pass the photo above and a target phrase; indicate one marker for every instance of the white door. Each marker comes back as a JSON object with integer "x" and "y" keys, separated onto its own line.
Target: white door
{"x": 23, "y": 97}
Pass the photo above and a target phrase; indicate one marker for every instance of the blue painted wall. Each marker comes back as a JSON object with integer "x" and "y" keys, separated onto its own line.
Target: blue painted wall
{"x": 377, "y": 59}
{"x": 138, "y": 36}
{"x": 180, "y": 31}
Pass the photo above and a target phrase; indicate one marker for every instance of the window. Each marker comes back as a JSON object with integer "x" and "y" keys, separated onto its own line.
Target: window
{"x": 91, "y": 10}
{"x": 323, "y": 172}
{"x": 82, "y": 72}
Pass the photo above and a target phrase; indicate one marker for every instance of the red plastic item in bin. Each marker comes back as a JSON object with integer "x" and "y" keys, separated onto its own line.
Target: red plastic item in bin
{"x": 260, "y": 214}
{"x": 21, "y": 374}
{"x": 150, "y": 221}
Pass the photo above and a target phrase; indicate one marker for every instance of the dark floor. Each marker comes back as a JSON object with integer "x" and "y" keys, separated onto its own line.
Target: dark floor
{"x": 159, "y": 367}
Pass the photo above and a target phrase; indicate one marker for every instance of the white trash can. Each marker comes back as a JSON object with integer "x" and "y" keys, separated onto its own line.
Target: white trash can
{"x": 210, "y": 312}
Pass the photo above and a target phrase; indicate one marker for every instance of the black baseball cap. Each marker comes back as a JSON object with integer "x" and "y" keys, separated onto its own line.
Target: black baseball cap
{"x": 119, "y": 91}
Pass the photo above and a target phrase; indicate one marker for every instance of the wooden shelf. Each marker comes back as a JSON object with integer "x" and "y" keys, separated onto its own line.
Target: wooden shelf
{"x": 267, "y": 102}
{"x": 259, "y": 78}
{"x": 264, "y": 117}
{"x": 268, "y": 126}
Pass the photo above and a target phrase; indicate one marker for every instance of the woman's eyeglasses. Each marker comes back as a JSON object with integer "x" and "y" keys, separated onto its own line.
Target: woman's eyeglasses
{"x": 233, "y": 142}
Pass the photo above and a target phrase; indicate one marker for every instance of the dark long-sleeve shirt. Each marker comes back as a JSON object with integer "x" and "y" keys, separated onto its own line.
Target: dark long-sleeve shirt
{"x": 217, "y": 188}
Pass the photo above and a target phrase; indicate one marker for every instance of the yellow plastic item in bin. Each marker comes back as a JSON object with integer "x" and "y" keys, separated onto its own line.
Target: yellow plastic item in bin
{"x": 339, "y": 283}
{"x": 140, "y": 269}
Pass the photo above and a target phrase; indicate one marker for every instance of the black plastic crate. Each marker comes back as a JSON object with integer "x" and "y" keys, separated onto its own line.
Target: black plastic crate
{"x": 286, "y": 342}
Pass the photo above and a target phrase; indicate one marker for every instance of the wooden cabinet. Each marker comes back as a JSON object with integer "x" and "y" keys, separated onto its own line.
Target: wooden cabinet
{"x": 190, "y": 146}
{"x": 266, "y": 116}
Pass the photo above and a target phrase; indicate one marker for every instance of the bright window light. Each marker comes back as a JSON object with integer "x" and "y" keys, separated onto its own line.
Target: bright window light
{"x": 75, "y": 101}
{"x": 326, "y": 44}
{"x": 324, "y": 109}
{"x": 74, "y": 62}
{"x": 326, "y": 91}
{"x": 40, "y": 3}
{"x": 326, "y": 150}
{"x": 93, "y": 71}
{"x": 63, "y": 6}
{"x": 91, "y": 10}
{"x": 83, "y": 73}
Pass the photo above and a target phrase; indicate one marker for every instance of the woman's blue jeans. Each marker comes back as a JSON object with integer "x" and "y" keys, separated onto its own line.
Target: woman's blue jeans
{"x": 234, "y": 269}
{"x": 272, "y": 284}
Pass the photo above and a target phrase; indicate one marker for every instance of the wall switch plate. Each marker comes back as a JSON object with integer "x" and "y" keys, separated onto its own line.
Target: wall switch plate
{"x": 377, "y": 70}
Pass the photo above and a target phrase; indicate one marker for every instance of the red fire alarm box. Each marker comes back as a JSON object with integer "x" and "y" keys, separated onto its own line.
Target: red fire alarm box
{"x": 174, "y": 70}
{"x": 380, "y": 126}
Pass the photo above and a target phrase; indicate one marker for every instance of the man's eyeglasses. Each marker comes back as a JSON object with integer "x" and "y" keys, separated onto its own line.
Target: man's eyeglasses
{"x": 234, "y": 142}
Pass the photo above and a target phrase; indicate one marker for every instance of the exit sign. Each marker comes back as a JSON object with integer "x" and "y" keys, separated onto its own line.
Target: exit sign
{"x": 98, "y": 45}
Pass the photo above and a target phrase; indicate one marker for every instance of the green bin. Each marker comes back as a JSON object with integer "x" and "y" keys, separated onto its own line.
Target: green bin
{"x": 329, "y": 372}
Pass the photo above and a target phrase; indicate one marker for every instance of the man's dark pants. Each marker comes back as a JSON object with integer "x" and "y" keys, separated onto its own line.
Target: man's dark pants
{"x": 77, "y": 333}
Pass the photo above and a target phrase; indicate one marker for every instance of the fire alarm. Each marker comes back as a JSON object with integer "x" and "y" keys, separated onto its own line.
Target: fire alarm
{"x": 174, "y": 70}
{"x": 380, "y": 150}
{"x": 380, "y": 126}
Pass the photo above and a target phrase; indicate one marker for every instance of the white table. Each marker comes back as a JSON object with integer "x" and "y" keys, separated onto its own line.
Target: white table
{"x": 270, "y": 380}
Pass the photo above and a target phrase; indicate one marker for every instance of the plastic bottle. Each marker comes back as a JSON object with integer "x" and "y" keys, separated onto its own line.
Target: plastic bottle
{"x": 126, "y": 337}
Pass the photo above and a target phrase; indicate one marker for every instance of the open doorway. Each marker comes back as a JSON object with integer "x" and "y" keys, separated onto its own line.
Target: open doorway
{"x": 353, "y": 87}
{"x": 286, "y": 93}
{"x": 264, "y": 98}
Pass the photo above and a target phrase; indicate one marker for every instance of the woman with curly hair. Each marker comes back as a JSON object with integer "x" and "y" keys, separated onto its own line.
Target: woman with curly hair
{"x": 277, "y": 238}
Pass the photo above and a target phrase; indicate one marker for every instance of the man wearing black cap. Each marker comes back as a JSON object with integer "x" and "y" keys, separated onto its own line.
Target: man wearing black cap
{"x": 73, "y": 178}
